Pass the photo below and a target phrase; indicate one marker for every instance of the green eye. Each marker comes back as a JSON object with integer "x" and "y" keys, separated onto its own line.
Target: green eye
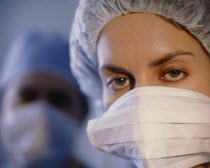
{"x": 174, "y": 75}
{"x": 118, "y": 83}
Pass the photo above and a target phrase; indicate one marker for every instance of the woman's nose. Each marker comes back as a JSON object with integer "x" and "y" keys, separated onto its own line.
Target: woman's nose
{"x": 146, "y": 79}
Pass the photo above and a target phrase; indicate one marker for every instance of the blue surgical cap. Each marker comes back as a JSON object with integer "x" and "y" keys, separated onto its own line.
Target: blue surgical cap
{"x": 37, "y": 52}
{"x": 92, "y": 15}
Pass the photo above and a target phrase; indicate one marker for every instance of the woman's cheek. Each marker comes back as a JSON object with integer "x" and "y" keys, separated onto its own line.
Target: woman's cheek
{"x": 109, "y": 98}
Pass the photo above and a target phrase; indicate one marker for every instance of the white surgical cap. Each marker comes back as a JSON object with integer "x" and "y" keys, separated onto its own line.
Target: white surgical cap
{"x": 92, "y": 15}
{"x": 37, "y": 52}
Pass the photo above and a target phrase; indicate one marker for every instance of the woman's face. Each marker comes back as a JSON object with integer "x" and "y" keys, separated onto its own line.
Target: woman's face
{"x": 138, "y": 50}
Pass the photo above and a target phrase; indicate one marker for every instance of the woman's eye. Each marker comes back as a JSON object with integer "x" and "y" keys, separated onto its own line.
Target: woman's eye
{"x": 173, "y": 75}
{"x": 118, "y": 83}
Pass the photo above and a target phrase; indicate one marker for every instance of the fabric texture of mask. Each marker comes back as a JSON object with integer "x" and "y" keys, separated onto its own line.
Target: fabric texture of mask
{"x": 156, "y": 127}
{"x": 95, "y": 158}
{"x": 38, "y": 136}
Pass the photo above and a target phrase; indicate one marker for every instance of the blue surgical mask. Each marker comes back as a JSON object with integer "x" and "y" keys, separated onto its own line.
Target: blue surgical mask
{"x": 38, "y": 135}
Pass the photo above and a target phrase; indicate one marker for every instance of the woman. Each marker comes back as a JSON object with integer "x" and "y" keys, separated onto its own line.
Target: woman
{"x": 149, "y": 64}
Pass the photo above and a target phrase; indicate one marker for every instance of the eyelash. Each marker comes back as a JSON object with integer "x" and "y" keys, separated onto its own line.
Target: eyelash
{"x": 166, "y": 71}
{"x": 129, "y": 78}
{"x": 132, "y": 82}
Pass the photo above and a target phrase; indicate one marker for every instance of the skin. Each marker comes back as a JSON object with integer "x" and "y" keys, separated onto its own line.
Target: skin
{"x": 46, "y": 87}
{"x": 136, "y": 50}
{"x": 207, "y": 165}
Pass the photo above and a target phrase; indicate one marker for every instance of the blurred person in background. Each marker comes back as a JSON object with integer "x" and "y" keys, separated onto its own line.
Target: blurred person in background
{"x": 42, "y": 106}
{"x": 3, "y": 162}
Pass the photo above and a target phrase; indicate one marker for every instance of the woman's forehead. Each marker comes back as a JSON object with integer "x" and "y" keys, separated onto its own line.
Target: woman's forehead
{"x": 146, "y": 35}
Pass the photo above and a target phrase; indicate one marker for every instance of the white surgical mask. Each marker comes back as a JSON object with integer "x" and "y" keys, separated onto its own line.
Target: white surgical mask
{"x": 156, "y": 127}
{"x": 38, "y": 135}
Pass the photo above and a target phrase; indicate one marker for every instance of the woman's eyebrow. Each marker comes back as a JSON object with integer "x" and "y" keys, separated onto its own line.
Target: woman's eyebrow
{"x": 116, "y": 69}
{"x": 168, "y": 57}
